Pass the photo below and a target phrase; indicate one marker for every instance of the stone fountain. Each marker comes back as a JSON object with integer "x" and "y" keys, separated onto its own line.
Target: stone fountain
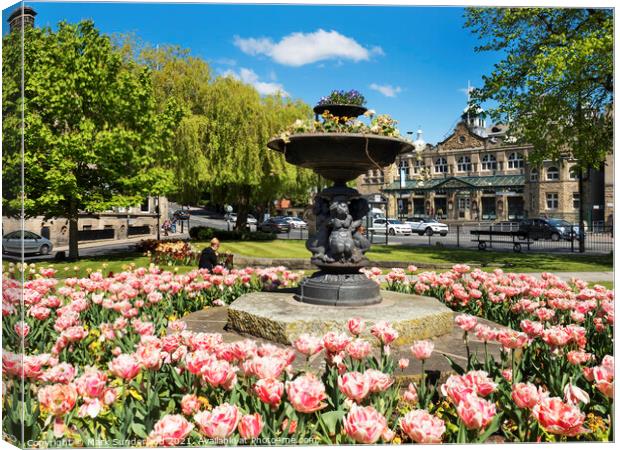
{"x": 338, "y": 290}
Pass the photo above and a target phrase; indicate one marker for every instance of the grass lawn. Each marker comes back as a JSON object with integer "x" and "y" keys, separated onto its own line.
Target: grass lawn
{"x": 524, "y": 262}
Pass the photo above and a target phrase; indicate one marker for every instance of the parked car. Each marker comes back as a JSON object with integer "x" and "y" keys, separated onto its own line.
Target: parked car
{"x": 427, "y": 226}
{"x": 230, "y": 217}
{"x": 33, "y": 243}
{"x": 296, "y": 222}
{"x": 394, "y": 226}
{"x": 554, "y": 229}
{"x": 275, "y": 225}
{"x": 181, "y": 214}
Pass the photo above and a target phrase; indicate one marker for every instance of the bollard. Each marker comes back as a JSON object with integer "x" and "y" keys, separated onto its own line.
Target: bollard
{"x": 458, "y": 235}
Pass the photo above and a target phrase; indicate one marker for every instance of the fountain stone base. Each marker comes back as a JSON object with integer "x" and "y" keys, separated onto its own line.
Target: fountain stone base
{"x": 280, "y": 317}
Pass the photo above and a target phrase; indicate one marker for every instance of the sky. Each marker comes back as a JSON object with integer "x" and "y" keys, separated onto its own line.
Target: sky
{"x": 411, "y": 62}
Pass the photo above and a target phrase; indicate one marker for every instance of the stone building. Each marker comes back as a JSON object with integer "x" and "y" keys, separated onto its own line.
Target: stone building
{"x": 117, "y": 224}
{"x": 479, "y": 174}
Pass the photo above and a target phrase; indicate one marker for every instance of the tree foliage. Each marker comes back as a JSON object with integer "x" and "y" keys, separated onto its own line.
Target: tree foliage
{"x": 554, "y": 84}
{"x": 94, "y": 138}
{"x": 221, "y": 141}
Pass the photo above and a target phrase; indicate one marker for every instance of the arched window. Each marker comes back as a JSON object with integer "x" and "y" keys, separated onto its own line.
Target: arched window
{"x": 404, "y": 165}
{"x": 464, "y": 164}
{"x": 573, "y": 173}
{"x": 553, "y": 173}
{"x": 441, "y": 165}
{"x": 534, "y": 174}
{"x": 515, "y": 160}
{"x": 489, "y": 162}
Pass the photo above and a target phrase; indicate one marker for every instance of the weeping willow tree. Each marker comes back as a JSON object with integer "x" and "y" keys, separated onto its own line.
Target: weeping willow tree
{"x": 221, "y": 143}
{"x": 242, "y": 169}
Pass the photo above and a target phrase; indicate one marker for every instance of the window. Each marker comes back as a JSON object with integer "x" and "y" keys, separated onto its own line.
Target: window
{"x": 464, "y": 164}
{"x": 573, "y": 173}
{"x": 553, "y": 173}
{"x": 489, "y": 162}
{"x": 144, "y": 207}
{"x": 576, "y": 200}
{"x": 515, "y": 160}
{"x": 87, "y": 227}
{"x": 552, "y": 200}
{"x": 464, "y": 202}
{"x": 404, "y": 165}
{"x": 441, "y": 165}
{"x": 533, "y": 174}
{"x": 418, "y": 166}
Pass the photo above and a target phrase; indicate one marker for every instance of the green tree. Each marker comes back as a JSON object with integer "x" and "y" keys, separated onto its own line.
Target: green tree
{"x": 93, "y": 136}
{"x": 242, "y": 169}
{"x": 221, "y": 142}
{"x": 554, "y": 83}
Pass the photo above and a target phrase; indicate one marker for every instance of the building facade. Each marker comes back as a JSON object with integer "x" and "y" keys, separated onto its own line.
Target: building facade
{"x": 479, "y": 174}
{"x": 115, "y": 225}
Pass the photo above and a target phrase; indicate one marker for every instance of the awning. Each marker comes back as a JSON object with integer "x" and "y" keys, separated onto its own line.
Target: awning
{"x": 460, "y": 183}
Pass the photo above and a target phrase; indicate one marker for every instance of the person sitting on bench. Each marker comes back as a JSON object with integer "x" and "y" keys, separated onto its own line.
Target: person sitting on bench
{"x": 209, "y": 256}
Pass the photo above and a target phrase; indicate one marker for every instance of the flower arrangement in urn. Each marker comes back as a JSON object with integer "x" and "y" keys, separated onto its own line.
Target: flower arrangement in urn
{"x": 351, "y": 97}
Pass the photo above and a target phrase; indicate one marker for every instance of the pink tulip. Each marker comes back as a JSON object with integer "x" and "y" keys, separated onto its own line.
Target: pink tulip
{"x": 364, "y": 425}
{"x": 190, "y": 404}
{"x": 335, "y": 342}
{"x": 379, "y": 381}
{"x": 195, "y": 361}
{"x": 356, "y": 326}
{"x": 308, "y": 345}
{"x": 532, "y": 329}
{"x": 354, "y": 385}
{"x": 264, "y": 366}
{"x": 511, "y": 339}
{"x": 403, "y": 363}
{"x": 170, "y": 431}
{"x": 422, "y": 350}
{"x": 466, "y": 322}
{"x": 560, "y": 418}
{"x": 57, "y": 399}
{"x": 92, "y": 383}
{"x": 384, "y": 332}
{"x": 476, "y": 413}
{"x": 306, "y": 393}
{"x": 124, "y": 366}
{"x": 219, "y": 373}
{"x": 578, "y": 357}
{"x": 411, "y": 394}
{"x": 525, "y": 395}
{"x": 250, "y": 426}
{"x": 60, "y": 373}
{"x": 218, "y": 423}
{"x": 422, "y": 427}
{"x": 575, "y": 395}
{"x": 22, "y": 329}
{"x": 359, "y": 349}
{"x": 269, "y": 390}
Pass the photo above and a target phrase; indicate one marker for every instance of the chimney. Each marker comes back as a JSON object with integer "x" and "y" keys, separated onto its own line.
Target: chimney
{"x": 22, "y": 15}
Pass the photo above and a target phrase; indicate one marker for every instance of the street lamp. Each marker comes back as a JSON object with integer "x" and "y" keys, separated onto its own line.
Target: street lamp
{"x": 419, "y": 145}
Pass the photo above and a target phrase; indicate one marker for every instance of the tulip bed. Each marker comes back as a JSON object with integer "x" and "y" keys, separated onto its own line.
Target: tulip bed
{"x": 109, "y": 362}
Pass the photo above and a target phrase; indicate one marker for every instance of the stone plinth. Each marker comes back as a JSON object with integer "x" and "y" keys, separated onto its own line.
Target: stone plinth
{"x": 278, "y": 317}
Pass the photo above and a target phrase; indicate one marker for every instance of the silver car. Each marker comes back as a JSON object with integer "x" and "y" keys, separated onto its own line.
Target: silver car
{"x": 33, "y": 243}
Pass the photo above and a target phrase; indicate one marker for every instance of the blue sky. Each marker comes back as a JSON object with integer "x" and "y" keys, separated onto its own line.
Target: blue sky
{"x": 410, "y": 62}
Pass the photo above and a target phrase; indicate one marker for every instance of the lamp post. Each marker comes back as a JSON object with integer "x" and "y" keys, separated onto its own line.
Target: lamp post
{"x": 419, "y": 145}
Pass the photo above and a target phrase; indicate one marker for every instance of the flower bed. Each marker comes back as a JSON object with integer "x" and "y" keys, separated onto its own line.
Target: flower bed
{"x": 108, "y": 361}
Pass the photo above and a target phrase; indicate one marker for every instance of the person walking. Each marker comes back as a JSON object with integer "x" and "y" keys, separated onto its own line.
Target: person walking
{"x": 208, "y": 257}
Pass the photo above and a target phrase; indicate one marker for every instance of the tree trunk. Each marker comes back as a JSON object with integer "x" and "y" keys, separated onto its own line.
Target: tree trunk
{"x": 243, "y": 207}
{"x": 582, "y": 202}
{"x": 74, "y": 252}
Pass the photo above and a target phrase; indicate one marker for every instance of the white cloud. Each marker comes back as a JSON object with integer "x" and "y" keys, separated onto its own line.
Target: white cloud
{"x": 298, "y": 49}
{"x": 386, "y": 89}
{"x": 250, "y": 77}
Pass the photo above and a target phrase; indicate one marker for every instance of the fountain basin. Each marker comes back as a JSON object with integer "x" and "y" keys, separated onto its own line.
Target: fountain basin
{"x": 340, "y": 157}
